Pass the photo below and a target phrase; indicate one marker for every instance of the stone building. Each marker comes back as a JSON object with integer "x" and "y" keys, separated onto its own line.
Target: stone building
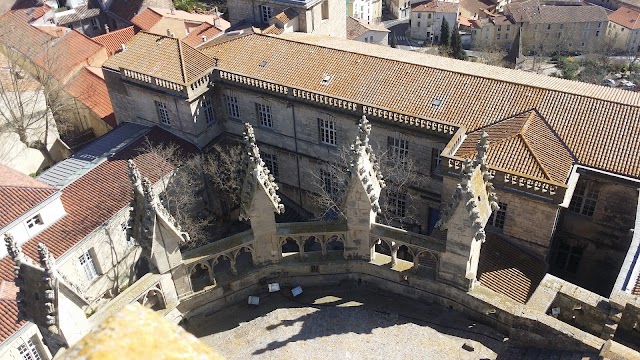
{"x": 369, "y": 11}
{"x": 624, "y": 30}
{"x": 322, "y": 17}
{"x": 370, "y": 33}
{"x": 427, "y": 18}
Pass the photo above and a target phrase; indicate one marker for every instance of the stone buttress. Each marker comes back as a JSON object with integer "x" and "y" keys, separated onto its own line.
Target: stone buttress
{"x": 464, "y": 218}
{"x": 259, "y": 202}
{"x": 361, "y": 206}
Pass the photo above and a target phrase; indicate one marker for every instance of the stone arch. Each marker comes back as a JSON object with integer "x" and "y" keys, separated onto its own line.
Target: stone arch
{"x": 427, "y": 259}
{"x": 383, "y": 247}
{"x": 153, "y": 299}
{"x": 243, "y": 258}
{"x": 405, "y": 253}
{"x": 312, "y": 244}
{"x": 289, "y": 245}
{"x": 223, "y": 263}
{"x": 334, "y": 243}
{"x": 201, "y": 275}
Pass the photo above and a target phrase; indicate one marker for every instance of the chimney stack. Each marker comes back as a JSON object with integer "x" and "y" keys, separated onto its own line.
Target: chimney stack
{"x": 106, "y": 28}
{"x": 204, "y": 38}
{"x": 168, "y": 32}
{"x": 123, "y": 47}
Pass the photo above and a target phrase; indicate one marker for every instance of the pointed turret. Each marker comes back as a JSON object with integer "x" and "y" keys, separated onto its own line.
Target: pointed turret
{"x": 515, "y": 58}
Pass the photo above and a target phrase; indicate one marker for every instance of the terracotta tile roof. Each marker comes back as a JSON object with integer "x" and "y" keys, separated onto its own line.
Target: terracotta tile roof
{"x": 146, "y": 19}
{"x": 286, "y": 15}
{"x": 32, "y": 41}
{"x": 127, "y": 9}
{"x": 68, "y": 53}
{"x": 89, "y": 10}
{"x": 629, "y": 18}
{"x": 163, "y": 57}
{"x": 273, "y": 30}
{"x": 88, "y": 203}
{"x": 19, "y": 193}
{"x": 506, "y": 269}
{"x": 436, "y": 6}
{"x": 477, "y": 7}
{"x": 598, "y": 124}
{"x": 525, "y": 144}
{"x": 91, "y": 90}
{"x": 55, "y": 31}
{"x": 189, "y": 17}
{"x": 195, "y": 36}
{"x": 532, "y": 11}
{"x": 114, "y": 40}
{"x": 356, "y": 28}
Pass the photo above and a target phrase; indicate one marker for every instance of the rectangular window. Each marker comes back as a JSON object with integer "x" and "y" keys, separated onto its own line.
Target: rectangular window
{"x": 266, "y": 13}
{"x": 497, "y": 217}
{"x": 585, "y": 197}
{"x": 437, "y": 16}
{"x": 559, "y": 34}
{"x": 208, "y": 111}
{"x": 86, "y": 262}
{"x": 597, "y": 33}
{"x": 418, "y": 23}
{"x": 397, "y": 203}
{"x": 271, "y": 162}
{"x": 398, "y": 147}
{"x": 327, "y": 131}
{"x": 34, "y": 221}
{"x": 508, "y": 27}
{"x": 419, "y": 15}
{"x": 499, "y": 27}
{"x": 561, "y": 26}
{"x": 429, "y": 16}
{"x": 498, "y": 36}
{"x": 568, "y": 256}
{"x": 329, "y": 184}
{"x": 549, "y": 27}
{"x": 506, "y": 36}
{"x": 163, "y": 113}
{"x": 231, "y": 101}
{"x": 264, "y": 115}
{"x": 95, "y": 23}
{"x": 435, "y": 160}
{"x": 29, "y": 351}
{"x": 599, "y": 25}
{"x": 586, "y": 25}
{"x": 325, "y": 9}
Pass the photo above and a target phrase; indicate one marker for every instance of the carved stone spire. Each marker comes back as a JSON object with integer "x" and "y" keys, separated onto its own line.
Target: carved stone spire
{"x": 134, "y": 173}
{"x": 48, "y": 264}
{"x": 256, "y": 173}
{"x": 361, "y": 150}
{"x": 13, "y": 249}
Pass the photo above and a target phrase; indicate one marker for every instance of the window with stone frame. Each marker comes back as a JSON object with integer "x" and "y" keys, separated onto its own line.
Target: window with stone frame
{"x": 567, "y": 256}
{"x": 266, "y": 13}
{"x": 231, "y": 102}
{"x": 329, "y": 183}
{"x": 29, "y": 351}
{"x": 207, "y": 104}
{"x": 435, "y": 160}
{"x": 397, "y": 203}
{"x": 498, "y": 217}
{"x": 163, "y": 113}
{"x": 398, "y": 147}
{"x": 271, "y": 162}
{"x": 325, "y": 9}
{"x": 89, "y": 267}
{"x": 585, "y": 197}
{"x": 264, "y": 115}
{"x": 328, "y": 131}
{"x": 34, "y": 221}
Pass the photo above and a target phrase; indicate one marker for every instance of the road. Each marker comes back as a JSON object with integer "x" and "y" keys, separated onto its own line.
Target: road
{"x": 400, "y": 27}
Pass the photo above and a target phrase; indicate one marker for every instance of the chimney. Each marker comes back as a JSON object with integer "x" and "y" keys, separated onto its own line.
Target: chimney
{"x": 168, "y": 32}
{"x": 123, "y": 47}
{"x": 106, "y": 28}
{"x": 204, "y": 38}
{"x": 215, "y": 21}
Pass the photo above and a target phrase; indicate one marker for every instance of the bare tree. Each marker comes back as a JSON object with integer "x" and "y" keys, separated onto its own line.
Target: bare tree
{"x": 398, "y": 198}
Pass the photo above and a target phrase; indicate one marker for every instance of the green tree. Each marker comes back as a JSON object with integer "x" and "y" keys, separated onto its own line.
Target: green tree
{"x": 444, "y": 33}
{"x": 457, "y": 51}
{"x": 394, "y": 41}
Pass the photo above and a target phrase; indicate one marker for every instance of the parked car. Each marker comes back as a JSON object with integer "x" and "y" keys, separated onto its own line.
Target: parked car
{"x": 609, "y": 82}
{"x": 626, "y": 83}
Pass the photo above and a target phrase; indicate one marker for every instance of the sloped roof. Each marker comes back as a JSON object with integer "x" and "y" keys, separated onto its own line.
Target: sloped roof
{"x": 114, "y": 39}
{"x": 507, "y": 270}
{"x": 599, "y": 124}
{"x": 127, "y": 9}
{"x": 163, "y": 57}
{"x": 19, "y": 193}
{"x": 91, "y": 90}
{"x": 32, "y": 41}
{"x": 88, "y": 203}
{"x": 526, "y": 144}
{"x": 273, "y": 30}
{"x": 195, "y": 36}
{"x": 89, "y": 10}
{"x": 146, "y": 19}
{"x": 629, "y": 18}
{"x": 356, "y": 28}
{"x": 185, "y": 16}
{"x": 286, "y": 15}
{"x": 436, "y": 6}
{"x": 67, "y": 53}
{"x": 534, "y": 12}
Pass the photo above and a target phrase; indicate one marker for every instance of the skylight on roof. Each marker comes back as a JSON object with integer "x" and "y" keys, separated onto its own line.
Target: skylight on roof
{"x": 326, "y": 79}
{"x": 262, "y": 64}
{"x": 437, "y": 102}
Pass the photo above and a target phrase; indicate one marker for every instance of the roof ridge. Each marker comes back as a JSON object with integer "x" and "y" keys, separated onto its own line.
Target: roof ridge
{"x": 112, "y": 32}
{"x": 581, "y": 91}
{"x": 27, "y": 187}
{"x": 553, "y": 131}
{"x": 183, "y": 70}
{"x": 533, "y": 153}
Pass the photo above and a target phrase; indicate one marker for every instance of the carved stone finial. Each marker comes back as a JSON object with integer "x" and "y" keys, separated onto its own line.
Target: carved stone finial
{"x": 482, "y": 147}
{"x": 134, "y": 174}
{"x": 13, "y": 249}
{"x": 46, "y": 259}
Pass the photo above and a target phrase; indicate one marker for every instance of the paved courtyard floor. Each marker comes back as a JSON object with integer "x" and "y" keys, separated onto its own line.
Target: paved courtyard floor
{"x": 345, "y": 322}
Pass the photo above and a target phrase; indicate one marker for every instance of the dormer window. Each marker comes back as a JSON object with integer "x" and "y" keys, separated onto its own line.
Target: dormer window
{"x": 34, "y": 221}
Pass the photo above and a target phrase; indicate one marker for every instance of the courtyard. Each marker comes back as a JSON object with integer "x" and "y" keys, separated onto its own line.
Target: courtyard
{"x": 345, "y": 322}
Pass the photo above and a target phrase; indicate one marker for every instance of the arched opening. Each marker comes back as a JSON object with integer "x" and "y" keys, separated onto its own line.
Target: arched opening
{"x": 427, "y": 260}
{"x": 154, "y": 300}
{"x": 244, "y": 259}
{"x": 312, "y": 244}
{"x": 222, "y": 266}
{"x": 383, "y": 248}
{"x": 404, "y": 254}
{"x": 199, "y": 277}
{"x": 290, "y": 246}
{"x": 334, "y": 244}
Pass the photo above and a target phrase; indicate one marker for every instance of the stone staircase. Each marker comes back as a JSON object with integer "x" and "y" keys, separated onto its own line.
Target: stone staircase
{"x": 611, "y": 325}
{"x": 545, "y": 354}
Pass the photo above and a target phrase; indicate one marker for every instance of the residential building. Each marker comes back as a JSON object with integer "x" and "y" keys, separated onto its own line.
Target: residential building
{"x": 624, "y": 30}
{"x": 616, "y": 4}
{"x": 322, "y": 17}
{"x": 369, "y": 11}
{"x": 359, "y": 30}
{"x": 555, "y": 27}
{"x": 477, "y": 9}
{"x": 113, "y": 40}
{"x": 87, "y": 17}
{"x": 427, "y": 18}
{"x": 121, "y": 12}
{"x": 495, "y": 32}
{"x": 176, "y": 22}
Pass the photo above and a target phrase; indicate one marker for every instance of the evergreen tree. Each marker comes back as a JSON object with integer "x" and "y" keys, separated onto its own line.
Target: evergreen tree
{"x": 394, "y": 41}
{"x": 444, "y": 33}
{"x": 457, "y": 51}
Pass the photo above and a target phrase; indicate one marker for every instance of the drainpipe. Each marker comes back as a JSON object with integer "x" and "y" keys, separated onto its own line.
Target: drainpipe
{"x": 295, "y": 141}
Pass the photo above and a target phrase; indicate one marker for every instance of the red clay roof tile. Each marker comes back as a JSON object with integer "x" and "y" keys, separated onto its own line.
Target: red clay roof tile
{"x": 113, "y": 41}
{"x": 91, "y": 90}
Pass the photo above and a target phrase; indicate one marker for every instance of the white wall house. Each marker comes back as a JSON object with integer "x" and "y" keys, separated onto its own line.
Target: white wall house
{"x": 426, "y": 19}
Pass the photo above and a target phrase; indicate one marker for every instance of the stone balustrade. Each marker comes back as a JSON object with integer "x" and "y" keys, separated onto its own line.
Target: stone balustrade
{"x": 145, "y": 79}
{"x": 305, "y": 238}
{"x": 420, "y": 249}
